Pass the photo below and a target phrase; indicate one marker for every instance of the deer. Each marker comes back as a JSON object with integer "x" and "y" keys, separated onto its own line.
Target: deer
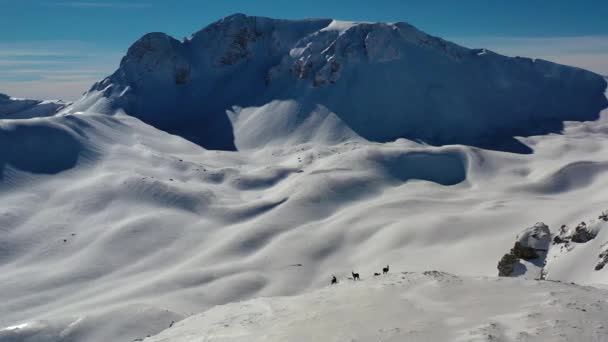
{"x": 355, "y": 275}
{"x": 334, "y": 280}
{"x": 385, "y": 270}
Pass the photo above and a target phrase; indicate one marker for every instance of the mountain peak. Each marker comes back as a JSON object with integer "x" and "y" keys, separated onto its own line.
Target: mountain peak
{"x": 382, "y": 81}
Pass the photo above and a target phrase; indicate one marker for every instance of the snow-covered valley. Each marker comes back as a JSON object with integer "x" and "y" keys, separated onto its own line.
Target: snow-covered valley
{"x": 111, "y": 228}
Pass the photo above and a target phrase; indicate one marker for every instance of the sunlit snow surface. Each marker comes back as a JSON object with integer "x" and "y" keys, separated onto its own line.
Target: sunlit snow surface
{"x": 431, "y": 306}
{"x": 157, "y": 228}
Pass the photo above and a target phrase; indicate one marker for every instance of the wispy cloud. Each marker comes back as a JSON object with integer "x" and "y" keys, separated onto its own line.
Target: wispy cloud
{"x": 53, "y": 69}
{"x": 16, "y": 62}
{"x": 47, "y": 89}
{"x": 26, "y": 53}
{"x": 102, "y": 4}
{"x": 587, "y": 52}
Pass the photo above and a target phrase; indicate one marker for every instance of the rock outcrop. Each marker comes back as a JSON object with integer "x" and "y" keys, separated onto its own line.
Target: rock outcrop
{"x": 506, "y": 265}
{"x": 582, "y": 233}
{"x": 532, "y": 245}
{"x": 603, "y": 260}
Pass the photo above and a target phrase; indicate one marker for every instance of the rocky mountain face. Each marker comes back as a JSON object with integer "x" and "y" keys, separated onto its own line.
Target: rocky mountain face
{"x": 381, "y": 80}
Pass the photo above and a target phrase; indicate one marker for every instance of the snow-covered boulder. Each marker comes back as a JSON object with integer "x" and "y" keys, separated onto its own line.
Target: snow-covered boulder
{"x": 530, "y": 249}
{"x": 532, "y": 241}
{"x": 583, "y": 233}
{"x": 383, "y": 81}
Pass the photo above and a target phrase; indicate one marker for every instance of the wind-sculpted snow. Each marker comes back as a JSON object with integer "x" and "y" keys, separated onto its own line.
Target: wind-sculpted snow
{"x": 442, "y": 168}
{"x": 38, "y": 147}
{"x": 147, "y": 228}
{"x": 230, "y": 83}
{"x": 576, "y": 176}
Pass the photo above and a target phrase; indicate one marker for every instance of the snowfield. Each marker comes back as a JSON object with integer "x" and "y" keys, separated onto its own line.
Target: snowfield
{"x": 160, "y": 194}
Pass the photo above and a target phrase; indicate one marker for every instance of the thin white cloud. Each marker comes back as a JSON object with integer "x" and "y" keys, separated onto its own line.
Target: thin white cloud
{"x": 53, "y": 69}
{"x": 103, "y": 4}
{"x": 39, "y": 70}
{"x": 26, "y": 53}
{"x": 587, "y": 52}
{"x": 19, "y": 63}
{"x": 48, "y": 89}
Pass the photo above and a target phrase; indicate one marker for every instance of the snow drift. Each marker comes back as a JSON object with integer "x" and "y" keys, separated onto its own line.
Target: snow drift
{"x": 38, "y": 147}
{"x": 382, "y": 81}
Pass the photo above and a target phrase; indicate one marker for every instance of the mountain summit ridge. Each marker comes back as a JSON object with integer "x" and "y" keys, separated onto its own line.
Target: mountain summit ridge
{"x": 383, "y": 81}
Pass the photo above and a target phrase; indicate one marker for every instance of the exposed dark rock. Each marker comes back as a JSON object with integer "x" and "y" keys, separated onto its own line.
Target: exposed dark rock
{"x": 531, "y": 245}
{"x": 582, "y": 233}
{"x": 558, "y": 239}
{"x": 182, "y": 76}
{"x": 506, "y": 265}
{"x": 523, "y": 252}
{"x": 603, "y": 260}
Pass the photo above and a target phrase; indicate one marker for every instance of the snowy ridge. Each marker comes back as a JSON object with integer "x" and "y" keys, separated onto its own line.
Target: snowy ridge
{"x": 433, "y": 306}
{"x": 382, "y": 81}
{"x": 14, "y": 108}
{"x": 339, "y": 25}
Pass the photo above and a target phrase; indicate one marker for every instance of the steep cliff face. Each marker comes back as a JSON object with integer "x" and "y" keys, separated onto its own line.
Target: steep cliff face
{"x": 382, "y": 81}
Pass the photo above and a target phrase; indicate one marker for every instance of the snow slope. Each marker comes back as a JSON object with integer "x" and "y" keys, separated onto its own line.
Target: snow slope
{"x": 13, "y": 108}
{"x": 111, "y": 228}
{"x": 578, "y": 261}
{"x": 142, "y": 228}
{"x": 433, "y": 306}
{"x": 382, "y": 81}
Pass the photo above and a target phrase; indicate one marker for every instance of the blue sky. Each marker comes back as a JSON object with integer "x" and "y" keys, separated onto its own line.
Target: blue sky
{"x": 57, "y": 49}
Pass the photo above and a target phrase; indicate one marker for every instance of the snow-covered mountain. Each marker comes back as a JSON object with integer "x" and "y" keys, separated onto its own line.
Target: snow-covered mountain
{"x": 14, "y": 108}
{"x": 253, "y": 159}
{"x": 244, "y": 82}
